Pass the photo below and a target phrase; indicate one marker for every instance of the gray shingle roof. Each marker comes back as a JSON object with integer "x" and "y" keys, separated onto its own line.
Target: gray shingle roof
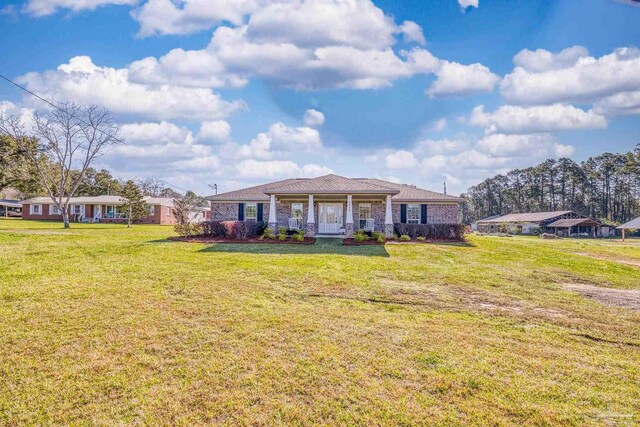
{"x": 634, "y": 223}
{"x": 566, "y": 223}
{"x": 334, "y": 184}
{"x": 525, "y": 217}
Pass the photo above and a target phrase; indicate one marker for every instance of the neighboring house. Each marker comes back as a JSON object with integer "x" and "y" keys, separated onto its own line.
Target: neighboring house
{"x": 10, "y": 208}
{"x": 535, "y": 222}
{"x": 634, "y": 224}
{"x": 339, "y": 205}
{"x": 98, "y": 209}
{"x": 200, "y": 213}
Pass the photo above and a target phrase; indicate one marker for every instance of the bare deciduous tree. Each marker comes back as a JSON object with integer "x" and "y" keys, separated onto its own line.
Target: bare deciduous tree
{"x": 150, "y": 186}
{"x": 72, "y": 137}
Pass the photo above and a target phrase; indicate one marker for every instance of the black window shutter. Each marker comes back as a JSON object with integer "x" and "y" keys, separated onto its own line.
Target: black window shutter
{"x": 423, "y": 214}
{"x": 403, "y": 213}
{"x": 260, "y": 212}
{"x": 240, "y": 211}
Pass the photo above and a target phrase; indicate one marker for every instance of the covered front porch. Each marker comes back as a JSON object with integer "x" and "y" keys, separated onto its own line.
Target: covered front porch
{"x": 331, "y": 215}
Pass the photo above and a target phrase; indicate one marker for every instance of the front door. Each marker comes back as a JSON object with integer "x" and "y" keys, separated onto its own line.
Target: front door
{"x": 330, "y": 218}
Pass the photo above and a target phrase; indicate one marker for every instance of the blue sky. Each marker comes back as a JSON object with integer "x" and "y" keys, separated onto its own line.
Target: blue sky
{"x": 420, "y": 92}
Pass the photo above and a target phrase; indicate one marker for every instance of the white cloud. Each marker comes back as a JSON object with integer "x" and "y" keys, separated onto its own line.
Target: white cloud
{"x": 311, "y": 45}
{"x": 571, "y": 76}
{"x": 48, "y": 7}
{"x": 458, "y": 79}
{"x": 278, "y": 140}
{"x": 154, "y": 133}
{"x": 412, "y": 32}
{"x": 84, "y": 82}
{"x": 516, "y": 119}
{"x": 150, "y": 146}
{"x": 25, "y": 115}
{"x": 439, "y": 125}
{"x": 620, "y": 104}
{"x": 500, "y": 145}
{"x": 401, "y": 159}
{"x": 465, "y": 4}
{"x": 543, "y": 60}
{"x": 278, "y": 168}
{"x": 218, "y": 130}
{"x": 320, "y": 23}
{"x": 313, "y": 118}
{"x": 189, "y": 16}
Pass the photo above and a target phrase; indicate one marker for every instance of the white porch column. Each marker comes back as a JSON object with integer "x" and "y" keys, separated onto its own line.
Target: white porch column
{"x": 273, "y": 221}
{"x": 311, "y": 218}
{"x": 388, "y": 218}
{"x": 348, "y": 226}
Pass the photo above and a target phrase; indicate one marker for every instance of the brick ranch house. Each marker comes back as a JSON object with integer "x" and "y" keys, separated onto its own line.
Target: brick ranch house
{"x": 339, "y": 205}
{"x": 98, "y": 209}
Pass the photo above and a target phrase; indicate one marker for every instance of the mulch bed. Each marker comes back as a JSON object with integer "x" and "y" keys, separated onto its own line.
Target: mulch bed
{"x": 211, "y": 239}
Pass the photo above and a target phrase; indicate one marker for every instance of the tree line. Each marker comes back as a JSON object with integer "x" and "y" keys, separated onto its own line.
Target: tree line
{"x": 605, "y": 187}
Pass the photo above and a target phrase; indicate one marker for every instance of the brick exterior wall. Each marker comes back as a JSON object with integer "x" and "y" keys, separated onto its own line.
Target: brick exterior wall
{"x": 436, "y": 213}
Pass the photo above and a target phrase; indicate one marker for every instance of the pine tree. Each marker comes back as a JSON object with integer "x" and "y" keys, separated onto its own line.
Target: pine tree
{"x": 134, "y": 203}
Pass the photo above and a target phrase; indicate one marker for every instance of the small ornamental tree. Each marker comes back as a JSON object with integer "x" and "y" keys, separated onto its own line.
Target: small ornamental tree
{"x": 183, "y": 210}
{"x": 134, "y": 203}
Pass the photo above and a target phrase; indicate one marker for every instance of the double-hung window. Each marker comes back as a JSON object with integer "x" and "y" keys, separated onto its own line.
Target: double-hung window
{"x": 296, "y": 215}
{"x": 54, "y": 210}
{"x": 251, "y": 212}
{"x": 77, "y": 209}
{"x": 36, "y": 209}
{"x": 413, "y": 214}
{"x": 365, "y": 216}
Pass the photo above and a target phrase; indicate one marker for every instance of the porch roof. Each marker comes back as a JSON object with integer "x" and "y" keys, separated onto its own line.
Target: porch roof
{"x": 10, "y": 203}
{"x": 568, "y": 223}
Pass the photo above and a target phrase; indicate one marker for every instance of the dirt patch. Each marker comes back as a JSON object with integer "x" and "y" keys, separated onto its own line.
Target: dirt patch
{"x": 208, "y": 239}
{"x": 628, "y": 298}
{"x": 633, "y": 263}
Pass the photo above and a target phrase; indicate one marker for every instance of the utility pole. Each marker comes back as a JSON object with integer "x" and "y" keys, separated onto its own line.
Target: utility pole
{"x": 445, "y": 186}
{"x": 214, "y": 187}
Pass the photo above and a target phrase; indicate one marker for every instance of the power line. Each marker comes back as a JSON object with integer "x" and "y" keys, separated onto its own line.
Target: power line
{"x": 56, "y": 106}
{"x": 101, "y": 131}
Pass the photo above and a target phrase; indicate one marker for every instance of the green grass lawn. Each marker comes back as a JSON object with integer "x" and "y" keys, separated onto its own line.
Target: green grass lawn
{"x": 104, "y": 325}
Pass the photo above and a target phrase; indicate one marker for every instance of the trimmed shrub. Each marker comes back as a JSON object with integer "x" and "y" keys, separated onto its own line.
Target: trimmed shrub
{"x": 188, "y": 230}
{"x": 282, "y": 233}
{"x": 360, "y": 237}
{"x": 298, "y": 236}
{"x": 380, "y": 237}
{"x": 421, "y": 238}
{"x": 213, "y": 228}
{"x": 233, "y": 229}
{"x": 432, "y": 231}
{"x": 405, "y": 238}
{"x": 268, "y": 234}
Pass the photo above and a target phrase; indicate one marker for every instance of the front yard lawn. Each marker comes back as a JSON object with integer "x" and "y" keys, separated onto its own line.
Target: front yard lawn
{"x": 104, "y": 325}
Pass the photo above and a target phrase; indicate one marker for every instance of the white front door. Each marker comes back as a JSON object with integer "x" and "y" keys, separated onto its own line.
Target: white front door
{"x": 330, "y": 218}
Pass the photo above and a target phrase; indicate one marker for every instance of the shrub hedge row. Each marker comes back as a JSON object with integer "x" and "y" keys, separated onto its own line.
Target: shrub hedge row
{"x": 234, "y": 229}
{"x": 431, "y": 231}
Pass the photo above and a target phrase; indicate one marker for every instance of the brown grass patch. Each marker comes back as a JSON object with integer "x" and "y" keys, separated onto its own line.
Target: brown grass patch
{"x": 628, "y": 298}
